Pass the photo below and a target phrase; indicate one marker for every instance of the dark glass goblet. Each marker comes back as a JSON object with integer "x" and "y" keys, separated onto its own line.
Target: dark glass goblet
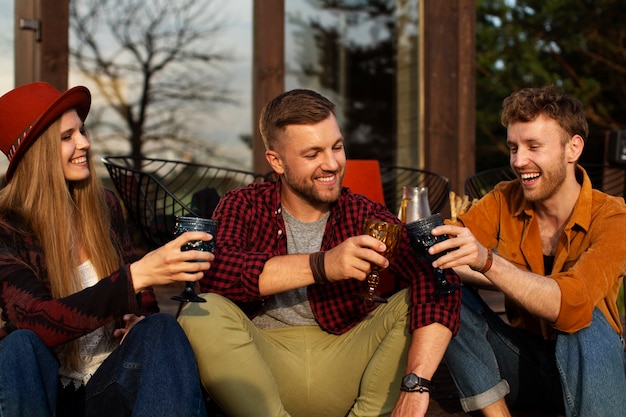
{"x": 419, "y": 233}
{"x": 188, "y": 224}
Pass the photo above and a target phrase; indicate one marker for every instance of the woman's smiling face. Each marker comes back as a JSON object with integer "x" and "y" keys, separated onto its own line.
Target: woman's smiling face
{"x": 74, "y": 147}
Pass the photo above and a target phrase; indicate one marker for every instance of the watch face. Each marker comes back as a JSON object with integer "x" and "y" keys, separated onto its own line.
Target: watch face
{"x": 410, "y": 381}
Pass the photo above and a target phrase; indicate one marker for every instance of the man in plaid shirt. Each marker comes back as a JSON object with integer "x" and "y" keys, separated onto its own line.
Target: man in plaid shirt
{"x": 283, "y": 332}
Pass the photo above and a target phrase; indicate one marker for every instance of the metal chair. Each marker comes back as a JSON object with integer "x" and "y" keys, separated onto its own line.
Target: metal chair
{"x": 480, "y": 183}
{"x": 396, "y": 177}
{"x": 156, "y": 191}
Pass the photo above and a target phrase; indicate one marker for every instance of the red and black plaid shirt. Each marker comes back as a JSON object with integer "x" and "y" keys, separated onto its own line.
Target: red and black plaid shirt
{"x": 251, "y": 231}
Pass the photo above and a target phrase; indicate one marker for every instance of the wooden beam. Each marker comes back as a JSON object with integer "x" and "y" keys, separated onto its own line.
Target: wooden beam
{"x": 42, "y": 42}
{"x": 466, "y": 138}
{"x": 448, "y": 88}
{"x": 268, "y": 67}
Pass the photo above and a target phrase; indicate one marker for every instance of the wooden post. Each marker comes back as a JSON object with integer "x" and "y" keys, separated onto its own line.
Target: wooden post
{"x": 42, "y": 42}
{"x": 268, "y": 67}
{"x": 448, "y": 88}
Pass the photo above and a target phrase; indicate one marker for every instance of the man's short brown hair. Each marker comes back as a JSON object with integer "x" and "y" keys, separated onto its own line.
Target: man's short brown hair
{"x": 295, "y": 107}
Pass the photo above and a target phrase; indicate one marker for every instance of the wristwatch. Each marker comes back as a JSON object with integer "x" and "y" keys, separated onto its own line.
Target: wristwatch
{"x": 414, "y": 383}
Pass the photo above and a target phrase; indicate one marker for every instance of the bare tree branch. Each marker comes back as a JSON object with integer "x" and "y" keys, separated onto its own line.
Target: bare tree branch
{"x": 154, "y": 62}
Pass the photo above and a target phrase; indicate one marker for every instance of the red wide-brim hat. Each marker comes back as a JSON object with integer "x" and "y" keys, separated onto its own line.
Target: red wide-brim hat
{"x": 28, "y": 110}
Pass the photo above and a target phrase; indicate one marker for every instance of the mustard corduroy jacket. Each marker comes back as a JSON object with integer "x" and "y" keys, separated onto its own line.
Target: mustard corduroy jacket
{"x": 590, "y": 259}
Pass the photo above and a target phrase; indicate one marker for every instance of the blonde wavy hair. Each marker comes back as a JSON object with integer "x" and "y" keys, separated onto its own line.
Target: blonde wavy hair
{"x": 65, "y": 217}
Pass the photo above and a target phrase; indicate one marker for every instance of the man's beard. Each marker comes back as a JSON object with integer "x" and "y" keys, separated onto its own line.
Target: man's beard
{"x": 551, "y": 181}
{"x": 305, "y": 188}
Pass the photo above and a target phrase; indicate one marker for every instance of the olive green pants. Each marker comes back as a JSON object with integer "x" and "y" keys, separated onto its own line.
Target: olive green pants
{"x": 299, "y": 371}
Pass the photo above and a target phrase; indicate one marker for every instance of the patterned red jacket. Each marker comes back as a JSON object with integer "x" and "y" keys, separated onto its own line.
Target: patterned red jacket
{"x": 25, "y": 297}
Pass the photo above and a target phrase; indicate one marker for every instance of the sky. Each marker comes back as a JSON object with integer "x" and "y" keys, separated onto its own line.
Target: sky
{"x": 6, "y": 45}
{"x": 224, "y": 124}
{"x": 6, "y": 52}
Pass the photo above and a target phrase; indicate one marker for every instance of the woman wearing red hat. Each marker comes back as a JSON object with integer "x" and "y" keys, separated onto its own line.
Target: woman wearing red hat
{"x": 73, "y": 339}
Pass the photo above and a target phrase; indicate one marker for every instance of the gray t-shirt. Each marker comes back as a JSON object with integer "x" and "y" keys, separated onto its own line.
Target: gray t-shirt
{"x": 292, "y": 308}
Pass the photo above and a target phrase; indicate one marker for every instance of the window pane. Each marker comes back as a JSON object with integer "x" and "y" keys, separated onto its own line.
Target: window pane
{"x": 361, "y": 54}
{"x": 190, "y": 61}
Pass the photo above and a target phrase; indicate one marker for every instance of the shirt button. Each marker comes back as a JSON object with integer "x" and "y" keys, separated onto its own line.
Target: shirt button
{"x": 280, "y": 233}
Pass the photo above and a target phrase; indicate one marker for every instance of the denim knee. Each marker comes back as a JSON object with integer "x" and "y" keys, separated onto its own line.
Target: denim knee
{"x": 29, "y": 377}
{"x": 591, "y": 365}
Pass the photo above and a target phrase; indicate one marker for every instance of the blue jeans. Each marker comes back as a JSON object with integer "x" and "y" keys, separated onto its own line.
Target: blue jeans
{"x": 579, "y": 374}
{"x": 28, "y": 376}
{"x": 153, "y": 373}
